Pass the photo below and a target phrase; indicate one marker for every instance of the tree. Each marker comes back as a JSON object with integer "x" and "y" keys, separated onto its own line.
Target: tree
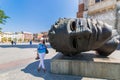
{"x": 9, "y": 39}
{"x": 3, "y": 17}
{"x": 15, "y": 39}
{"x": 4, "y": 39}
{"x": 20, "y": 40}
{"x": 0, "y": 30}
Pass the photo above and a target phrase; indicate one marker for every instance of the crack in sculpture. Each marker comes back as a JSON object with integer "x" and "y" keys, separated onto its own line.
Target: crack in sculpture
{"x": 72, "y": 36}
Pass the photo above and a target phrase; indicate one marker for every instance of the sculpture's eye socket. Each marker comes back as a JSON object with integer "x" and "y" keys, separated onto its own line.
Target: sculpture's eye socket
{"x": 73, "y": 26}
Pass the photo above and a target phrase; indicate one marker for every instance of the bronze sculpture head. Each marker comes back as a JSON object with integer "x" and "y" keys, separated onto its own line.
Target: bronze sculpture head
{"x": 72, "y": 36}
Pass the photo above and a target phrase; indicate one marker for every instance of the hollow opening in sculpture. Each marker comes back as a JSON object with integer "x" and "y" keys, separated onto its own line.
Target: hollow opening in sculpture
{"x": 73, "y": 26}
{"x": 74, "y": 43}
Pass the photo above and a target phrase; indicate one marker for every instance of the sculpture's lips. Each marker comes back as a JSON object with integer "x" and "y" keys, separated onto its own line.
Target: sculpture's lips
{"x": 84, "y": 31}
{"x": 92, "y": 33}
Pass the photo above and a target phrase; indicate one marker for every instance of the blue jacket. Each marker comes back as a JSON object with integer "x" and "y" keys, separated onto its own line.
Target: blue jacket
{"x": 41, "y": 48}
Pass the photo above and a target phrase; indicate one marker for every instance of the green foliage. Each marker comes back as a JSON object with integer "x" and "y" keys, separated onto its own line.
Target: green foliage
{"x": 26, "y": 40}
{"x": 9, "y": 39}
{"x": 4, "y": 39}
{"x": 15, "y": 39}
{"x": 0, "y": 30}
{"x": 3, "y": 17}
{"x": 20, "y": 40}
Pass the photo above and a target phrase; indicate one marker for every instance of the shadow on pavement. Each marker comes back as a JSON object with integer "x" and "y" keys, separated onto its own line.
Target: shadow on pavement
{"x": 118, "y": 48}
{"x": 84, "y": 56}
{"x": 21, "y": 46}
{"x": 32, "y": 69}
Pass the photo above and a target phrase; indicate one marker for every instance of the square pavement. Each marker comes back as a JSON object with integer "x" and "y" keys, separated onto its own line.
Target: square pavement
{"x": 18, "y": 63}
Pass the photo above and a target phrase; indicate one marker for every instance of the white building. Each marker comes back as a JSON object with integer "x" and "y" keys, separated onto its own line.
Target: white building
{"x": 9, "y": 36}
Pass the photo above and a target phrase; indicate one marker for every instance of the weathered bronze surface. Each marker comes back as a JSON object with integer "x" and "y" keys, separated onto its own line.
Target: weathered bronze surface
{"x": 72, "y": 36}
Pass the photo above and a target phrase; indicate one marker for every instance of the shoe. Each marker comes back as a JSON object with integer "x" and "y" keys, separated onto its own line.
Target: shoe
{"x": 38, "y": 69}
{"x": 44, "y": 70}
{"x": 37, "y": 58}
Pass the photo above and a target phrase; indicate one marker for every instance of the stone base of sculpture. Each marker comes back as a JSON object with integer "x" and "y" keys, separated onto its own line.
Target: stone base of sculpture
{"x": 88, "y": 64}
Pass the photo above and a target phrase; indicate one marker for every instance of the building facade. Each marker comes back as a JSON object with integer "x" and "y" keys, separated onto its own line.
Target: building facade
{"x": 38, "y": 36}
{"x": 22, "y": 36}
{"x": 105, "y": 10}
{"x": 27, "y": 36}
{"x": 16, "y": 36}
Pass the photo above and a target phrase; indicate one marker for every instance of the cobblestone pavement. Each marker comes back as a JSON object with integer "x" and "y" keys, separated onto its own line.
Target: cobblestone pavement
{"x": 18, "y": 63}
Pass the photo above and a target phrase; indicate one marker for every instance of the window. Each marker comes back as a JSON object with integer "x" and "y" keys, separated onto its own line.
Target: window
{"x": 97, "y": 1}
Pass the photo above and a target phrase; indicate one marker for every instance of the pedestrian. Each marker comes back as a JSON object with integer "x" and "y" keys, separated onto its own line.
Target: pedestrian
{"x": 41, "y": 53}
{"x": 30, "y": 42}
{"x": 12, "y": 42}
{"x": 15, "y": 42}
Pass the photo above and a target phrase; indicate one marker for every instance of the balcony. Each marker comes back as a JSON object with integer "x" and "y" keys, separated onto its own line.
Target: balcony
{"x": 101, "y": 6}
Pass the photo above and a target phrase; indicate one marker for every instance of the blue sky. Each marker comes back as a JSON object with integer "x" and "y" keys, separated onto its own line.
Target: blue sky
{"x": 36, "y": 15}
